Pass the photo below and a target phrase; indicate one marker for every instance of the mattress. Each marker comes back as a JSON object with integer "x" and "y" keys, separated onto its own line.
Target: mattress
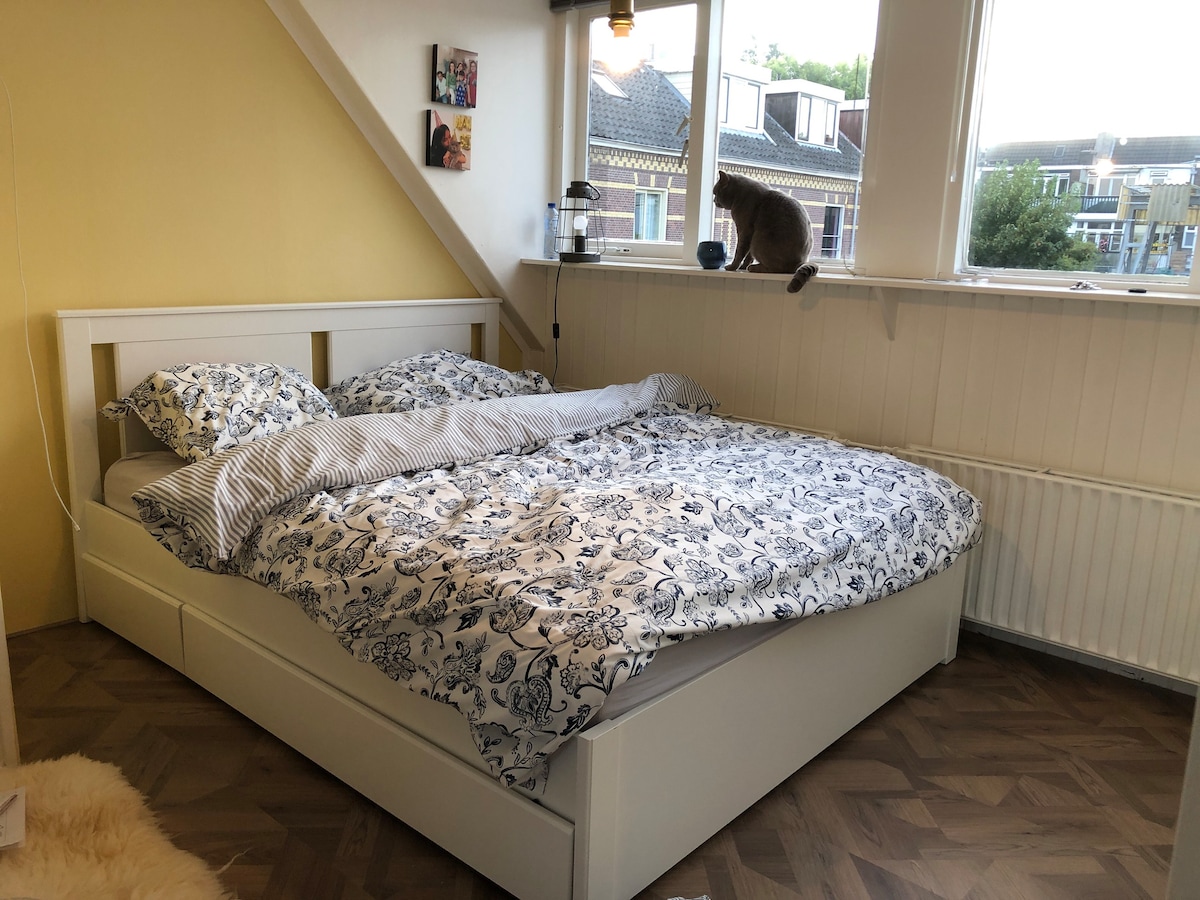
{"x": 129, "y": 473}
{"x": 281, "y": 626}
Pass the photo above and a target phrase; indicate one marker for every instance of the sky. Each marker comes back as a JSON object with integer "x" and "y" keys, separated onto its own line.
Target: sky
{"x": 831, "y": 32}
{"x": 1069, "y": 69}
{"x": 1055, "y": 70}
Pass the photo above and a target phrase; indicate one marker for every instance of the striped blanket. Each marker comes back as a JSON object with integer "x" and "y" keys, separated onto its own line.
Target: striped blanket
{"x": 520, "y": 558}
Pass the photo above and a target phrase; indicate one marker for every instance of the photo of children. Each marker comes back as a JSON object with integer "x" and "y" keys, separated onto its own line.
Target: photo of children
{"x": 455, "y": 76}
{"x": 448, "y": 143}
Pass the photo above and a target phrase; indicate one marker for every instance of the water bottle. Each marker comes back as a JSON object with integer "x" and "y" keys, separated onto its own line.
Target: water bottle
{"x": 551, "y": 232}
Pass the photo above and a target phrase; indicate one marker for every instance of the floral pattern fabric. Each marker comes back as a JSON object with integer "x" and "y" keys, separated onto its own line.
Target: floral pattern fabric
{"x": 524, "y": 588}
{"x": 430, "y": 379}
{"x": 198, "y": 409}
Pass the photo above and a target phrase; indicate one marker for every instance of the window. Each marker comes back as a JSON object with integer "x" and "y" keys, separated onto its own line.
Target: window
{"x": 639, "y": 147}
{"x": 1085, "y": 151}
{"x": 802, "y": 115}
{"x": 609, "y": 86}
{"x": 659, "y": 128}
{"x": 649, "y": 215}
{"x": 1058, "y": 184}
{"x": 804, "y": 118}
{"x": 831, "y": 233}
{"x": 741, "y": 102}
{"x": 960, "y": 112}
{"x": 1108, "y": 187}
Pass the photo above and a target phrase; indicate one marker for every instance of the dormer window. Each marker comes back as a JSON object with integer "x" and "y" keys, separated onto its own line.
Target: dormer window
{"x": 806, "y": 110}
{"x": 741, "y": 103}
{"x": 607, "y": 85}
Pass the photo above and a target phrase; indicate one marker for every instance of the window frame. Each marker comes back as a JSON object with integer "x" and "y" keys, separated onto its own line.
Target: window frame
{"x": 727, "y": 106}
{"x": 917, "y": 212}
{"x": 957, "y": 213}
{"x": 836, "y": 235}
{"x": 702, "y": 141}
{"x": 661, "y": 219}
{"x": 831, "y": 123}
{"x": 804, "y": 114}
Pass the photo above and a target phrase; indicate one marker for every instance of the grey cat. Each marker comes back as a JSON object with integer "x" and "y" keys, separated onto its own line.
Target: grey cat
{"x": 774, "y": 233}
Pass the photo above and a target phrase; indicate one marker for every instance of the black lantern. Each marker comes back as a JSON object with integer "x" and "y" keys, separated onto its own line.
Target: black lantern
{"x": 580, "y": 235}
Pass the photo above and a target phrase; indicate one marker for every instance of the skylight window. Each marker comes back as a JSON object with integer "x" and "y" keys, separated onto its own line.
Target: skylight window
{"x": 607, "y": 85}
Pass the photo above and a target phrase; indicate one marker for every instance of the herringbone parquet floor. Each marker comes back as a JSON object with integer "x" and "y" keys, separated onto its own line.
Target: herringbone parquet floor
{"x": 1007, "y": 775}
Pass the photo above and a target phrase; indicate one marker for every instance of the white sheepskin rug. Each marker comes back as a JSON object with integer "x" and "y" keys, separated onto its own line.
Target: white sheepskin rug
{"x": 89, "y": 834}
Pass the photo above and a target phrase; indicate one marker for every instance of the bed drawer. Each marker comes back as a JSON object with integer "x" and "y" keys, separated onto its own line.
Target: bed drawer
{"x": 500, "y": 833}
{"x": 137, "y": 612}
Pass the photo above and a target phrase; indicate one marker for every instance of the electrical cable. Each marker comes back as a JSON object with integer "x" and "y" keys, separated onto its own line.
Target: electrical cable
{"x": 12, "y": 136}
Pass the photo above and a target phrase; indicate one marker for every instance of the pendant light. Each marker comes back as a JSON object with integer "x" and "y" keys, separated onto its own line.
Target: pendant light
{"x": 620, "y": 18}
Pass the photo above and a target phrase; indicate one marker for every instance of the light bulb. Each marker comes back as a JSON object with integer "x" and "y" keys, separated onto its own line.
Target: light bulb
{"x": 580, "y": 242}
{"x": 619, "y": 55}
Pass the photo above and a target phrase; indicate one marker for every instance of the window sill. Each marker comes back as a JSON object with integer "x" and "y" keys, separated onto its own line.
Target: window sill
{"x": 825, "y": 277}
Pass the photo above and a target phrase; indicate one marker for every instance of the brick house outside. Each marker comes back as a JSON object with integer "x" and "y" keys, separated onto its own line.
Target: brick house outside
{"x": 636, "y": 153}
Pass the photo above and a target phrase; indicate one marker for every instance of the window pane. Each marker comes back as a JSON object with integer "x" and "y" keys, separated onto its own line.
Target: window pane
{"x": 741, "y": 103}
{"x": 831, "y": 233}
{"x": 648, "y": 217}
{"x": 1086, "y": 177}
{"x": 637, "y": 140}
{"x": 804, "y": 119}
{"x": 811, "y": 63}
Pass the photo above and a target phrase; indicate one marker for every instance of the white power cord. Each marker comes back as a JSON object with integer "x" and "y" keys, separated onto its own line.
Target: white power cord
{"x": 12, "y": 140}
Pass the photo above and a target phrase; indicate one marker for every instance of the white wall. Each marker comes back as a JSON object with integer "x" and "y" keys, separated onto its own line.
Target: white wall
{"x": 376, "y": 55}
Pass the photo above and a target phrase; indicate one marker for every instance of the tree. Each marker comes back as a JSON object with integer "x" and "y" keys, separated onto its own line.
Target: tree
{"x": 1018, "y": 223}
{"x": 850, "y": 77}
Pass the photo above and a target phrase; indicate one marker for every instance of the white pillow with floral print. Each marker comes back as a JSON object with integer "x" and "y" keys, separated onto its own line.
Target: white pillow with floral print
{"x": 198, "y": 409}
{"x": 430, "y": 379}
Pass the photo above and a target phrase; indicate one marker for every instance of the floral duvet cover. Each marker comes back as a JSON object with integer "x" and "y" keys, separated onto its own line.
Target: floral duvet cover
{"x": 547, "y": 546}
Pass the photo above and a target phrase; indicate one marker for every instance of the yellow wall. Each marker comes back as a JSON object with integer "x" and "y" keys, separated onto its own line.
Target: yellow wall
{"x": 168, "y": 152}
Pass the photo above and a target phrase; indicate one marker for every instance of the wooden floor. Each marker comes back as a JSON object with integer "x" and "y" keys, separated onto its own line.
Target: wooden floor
{"x": 1007, "y": 774}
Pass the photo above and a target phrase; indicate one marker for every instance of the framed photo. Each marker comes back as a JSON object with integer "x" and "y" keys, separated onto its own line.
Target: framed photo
{"x": 455, "y": 76}
{"x": 448, "y": 140}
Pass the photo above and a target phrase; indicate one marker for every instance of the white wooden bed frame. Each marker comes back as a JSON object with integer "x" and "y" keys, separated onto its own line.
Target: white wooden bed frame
{"x": 641, "y": 799}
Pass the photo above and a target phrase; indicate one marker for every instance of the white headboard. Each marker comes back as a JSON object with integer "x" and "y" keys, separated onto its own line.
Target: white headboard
{"x": 356, "y": 337}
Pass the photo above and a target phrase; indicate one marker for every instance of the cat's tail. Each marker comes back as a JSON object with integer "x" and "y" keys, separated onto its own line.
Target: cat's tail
{"x": 800, "y": 279}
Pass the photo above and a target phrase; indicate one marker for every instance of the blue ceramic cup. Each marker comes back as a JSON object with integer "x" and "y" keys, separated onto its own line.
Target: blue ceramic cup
{"x": 711, "y": 254}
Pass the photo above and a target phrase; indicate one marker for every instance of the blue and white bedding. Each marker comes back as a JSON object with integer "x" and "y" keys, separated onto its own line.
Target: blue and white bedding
{"x": 519, "y": 558}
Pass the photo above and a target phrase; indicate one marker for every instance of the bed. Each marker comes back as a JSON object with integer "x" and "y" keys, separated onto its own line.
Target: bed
{"x": 626, "y": 794}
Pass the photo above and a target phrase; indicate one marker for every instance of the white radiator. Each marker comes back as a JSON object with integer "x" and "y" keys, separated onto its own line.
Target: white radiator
{"x": 1101, "y": 568}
